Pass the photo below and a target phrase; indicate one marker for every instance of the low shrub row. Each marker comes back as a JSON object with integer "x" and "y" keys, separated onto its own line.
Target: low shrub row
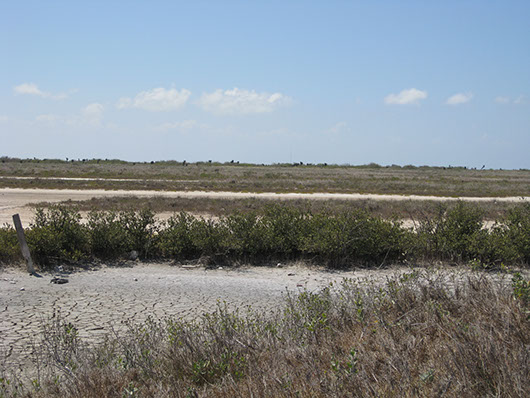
{"x": 454, "y": 234}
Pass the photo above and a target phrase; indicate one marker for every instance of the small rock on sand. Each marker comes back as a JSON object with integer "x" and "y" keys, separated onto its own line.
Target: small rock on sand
{"x": 59, "y": 281}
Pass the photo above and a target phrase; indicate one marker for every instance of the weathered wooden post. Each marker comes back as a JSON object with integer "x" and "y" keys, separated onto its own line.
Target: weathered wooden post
{"x": 23, "y": 244}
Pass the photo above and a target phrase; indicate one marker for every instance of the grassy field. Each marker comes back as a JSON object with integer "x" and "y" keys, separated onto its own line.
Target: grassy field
{"x": 173, "y": 175}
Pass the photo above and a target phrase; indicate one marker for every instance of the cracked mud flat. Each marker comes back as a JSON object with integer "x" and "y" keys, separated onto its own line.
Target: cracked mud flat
{"x": 100, "y": 301}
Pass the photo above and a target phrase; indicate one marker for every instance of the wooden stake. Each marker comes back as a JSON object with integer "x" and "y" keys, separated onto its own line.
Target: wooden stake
{"x": 23, "y": 245}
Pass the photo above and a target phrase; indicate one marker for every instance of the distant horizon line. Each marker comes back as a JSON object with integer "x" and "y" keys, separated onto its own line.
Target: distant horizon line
{"x": 371, "y": 165}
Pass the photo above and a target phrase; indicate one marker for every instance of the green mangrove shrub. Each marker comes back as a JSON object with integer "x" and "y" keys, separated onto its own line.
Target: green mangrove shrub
{"x": 455, "y": 234}
{"x": 140, "y": 231}
{"x": 282, "y": 229}
{"x": 57, "y": 234}
{"x": 246, "y": 234}
{"x": 9, "y": 248}
{"x": 211, "y": 237}
{"x": 355, "y": 236}
{"x": 518, "y": 231}
{"x": 176, "y": 237}
{"x": 107, "y": 234}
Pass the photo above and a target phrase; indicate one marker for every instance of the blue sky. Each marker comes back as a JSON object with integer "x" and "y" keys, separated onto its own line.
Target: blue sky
{"x": 404, "y": 82}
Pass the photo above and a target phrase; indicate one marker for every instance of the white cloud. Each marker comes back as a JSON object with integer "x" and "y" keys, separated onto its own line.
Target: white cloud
{"x": 502, "y": 100}
{"x": 184, "y": 125}
{"x": 33, "y": 89}
{"x": 93, "y": 113}
{"x": 520, "y": 100}
{"x": 338, "y": 128}
{"x": 29, "y": 88}
{"x": 281, "y": 132}
{"x": 405, "y": 97}
{"x": 237, "y": 101}
{"x": 89, "y": 115}
{"x": 47, "y": 118}
{"x": 459, "y": 98}
{"x": 3, "y": 118}
{"x": 157, "y": 99}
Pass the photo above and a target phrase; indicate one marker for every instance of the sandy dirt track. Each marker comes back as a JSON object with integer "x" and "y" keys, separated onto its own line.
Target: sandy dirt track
{"x": 101, "y": 300}
{"x": 16, "y": 200}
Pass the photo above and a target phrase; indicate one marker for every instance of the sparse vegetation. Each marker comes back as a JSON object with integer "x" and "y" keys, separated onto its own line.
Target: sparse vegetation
{"x": 232, "y": 176}
{"x": 419, "y": 334}
{"x": 217, "y": 207}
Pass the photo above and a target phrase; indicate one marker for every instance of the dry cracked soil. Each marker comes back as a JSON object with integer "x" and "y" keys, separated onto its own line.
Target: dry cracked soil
{"x": 104, "y": 299}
